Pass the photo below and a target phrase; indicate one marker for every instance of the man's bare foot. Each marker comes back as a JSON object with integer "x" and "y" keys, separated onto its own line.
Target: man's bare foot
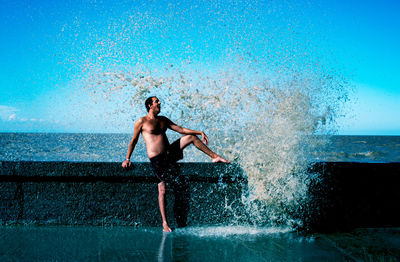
{"x": 219, "y": 159}
{"x": 166, "y": 228}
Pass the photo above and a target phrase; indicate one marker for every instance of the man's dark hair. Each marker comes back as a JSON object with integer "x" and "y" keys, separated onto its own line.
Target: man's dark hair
{"x": 148, "y": 103}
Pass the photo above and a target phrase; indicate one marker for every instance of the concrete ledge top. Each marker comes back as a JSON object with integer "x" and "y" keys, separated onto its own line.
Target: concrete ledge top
{"x": 142, "y": 171}
{"x": 101, "y": 170}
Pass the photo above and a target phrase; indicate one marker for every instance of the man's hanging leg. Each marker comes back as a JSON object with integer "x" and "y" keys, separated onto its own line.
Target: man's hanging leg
{"x": 162, "y": 204}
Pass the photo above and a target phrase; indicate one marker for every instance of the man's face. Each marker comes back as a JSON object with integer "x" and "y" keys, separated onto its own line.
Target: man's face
{"x": 156, "y": 105}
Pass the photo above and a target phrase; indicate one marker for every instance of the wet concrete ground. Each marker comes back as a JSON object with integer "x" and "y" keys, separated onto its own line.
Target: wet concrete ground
{"x": 65, "y": 243}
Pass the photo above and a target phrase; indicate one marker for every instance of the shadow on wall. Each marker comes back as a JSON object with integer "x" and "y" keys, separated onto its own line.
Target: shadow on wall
{"x": 350, "y": 195}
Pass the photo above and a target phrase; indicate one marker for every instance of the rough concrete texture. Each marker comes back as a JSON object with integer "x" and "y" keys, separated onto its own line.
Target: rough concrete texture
{"x": 342, "y": 196}
{"x": 75, "y": 193}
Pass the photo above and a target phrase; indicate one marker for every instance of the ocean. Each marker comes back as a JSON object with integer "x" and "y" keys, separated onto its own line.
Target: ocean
{"x": 113, "y": 148}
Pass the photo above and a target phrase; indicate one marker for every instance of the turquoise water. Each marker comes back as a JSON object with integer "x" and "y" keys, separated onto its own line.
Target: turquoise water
{"x": 30, "y": 243}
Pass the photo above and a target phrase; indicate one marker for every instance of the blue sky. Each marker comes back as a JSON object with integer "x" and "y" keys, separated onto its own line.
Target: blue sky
{"x": 46, "y": 44}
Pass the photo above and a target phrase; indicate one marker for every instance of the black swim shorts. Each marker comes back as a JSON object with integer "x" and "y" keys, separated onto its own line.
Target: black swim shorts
{"x": 164, "y": 165}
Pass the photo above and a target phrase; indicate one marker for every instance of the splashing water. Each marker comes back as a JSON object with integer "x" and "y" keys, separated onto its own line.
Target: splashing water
{"x": 265, "y": 125}
{"x": 260, "y": 110}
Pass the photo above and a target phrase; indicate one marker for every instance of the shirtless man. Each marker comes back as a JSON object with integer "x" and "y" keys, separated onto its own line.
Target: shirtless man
{"x": 161, "y": 153}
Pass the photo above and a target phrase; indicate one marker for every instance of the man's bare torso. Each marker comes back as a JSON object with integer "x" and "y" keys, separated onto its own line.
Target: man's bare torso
{"x": 153, "y": 131}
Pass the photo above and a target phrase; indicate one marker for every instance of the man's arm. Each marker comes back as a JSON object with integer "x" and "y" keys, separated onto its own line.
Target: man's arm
{"x": 186, "y": 131}
{"x": 136, "y": 133}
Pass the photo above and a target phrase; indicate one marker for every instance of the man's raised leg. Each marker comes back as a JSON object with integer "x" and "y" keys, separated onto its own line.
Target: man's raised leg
{"x": 161, "y": 202}
{"x": 189, "y": 139}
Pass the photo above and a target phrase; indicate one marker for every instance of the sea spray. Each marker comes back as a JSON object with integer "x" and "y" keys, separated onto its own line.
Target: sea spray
{"x": 261, "y": 93}
{"x": 265, "y": 124}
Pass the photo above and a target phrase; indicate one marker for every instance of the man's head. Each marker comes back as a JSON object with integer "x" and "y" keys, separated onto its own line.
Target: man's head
{"x": 152, "y": 103}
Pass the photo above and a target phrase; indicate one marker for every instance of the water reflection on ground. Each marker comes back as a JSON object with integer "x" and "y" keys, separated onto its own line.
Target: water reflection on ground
{"x": 62, "y": 243}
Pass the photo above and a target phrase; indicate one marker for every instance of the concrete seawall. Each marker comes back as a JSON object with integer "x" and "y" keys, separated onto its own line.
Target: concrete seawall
{"x": 77, "y": 193}
{"x": 341, "y": 196}
{"x": 349, "y": 195}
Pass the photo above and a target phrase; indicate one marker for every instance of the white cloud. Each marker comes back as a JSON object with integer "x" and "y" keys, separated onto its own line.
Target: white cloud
{"x": 8, "y": 113}
{"x": 12, "y": 117}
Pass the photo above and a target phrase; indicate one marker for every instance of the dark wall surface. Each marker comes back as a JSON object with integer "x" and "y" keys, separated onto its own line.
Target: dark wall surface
{"x": 347, "y": 195}
{"x": 342, "y": 195}
{"x": 75, "y": 193}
